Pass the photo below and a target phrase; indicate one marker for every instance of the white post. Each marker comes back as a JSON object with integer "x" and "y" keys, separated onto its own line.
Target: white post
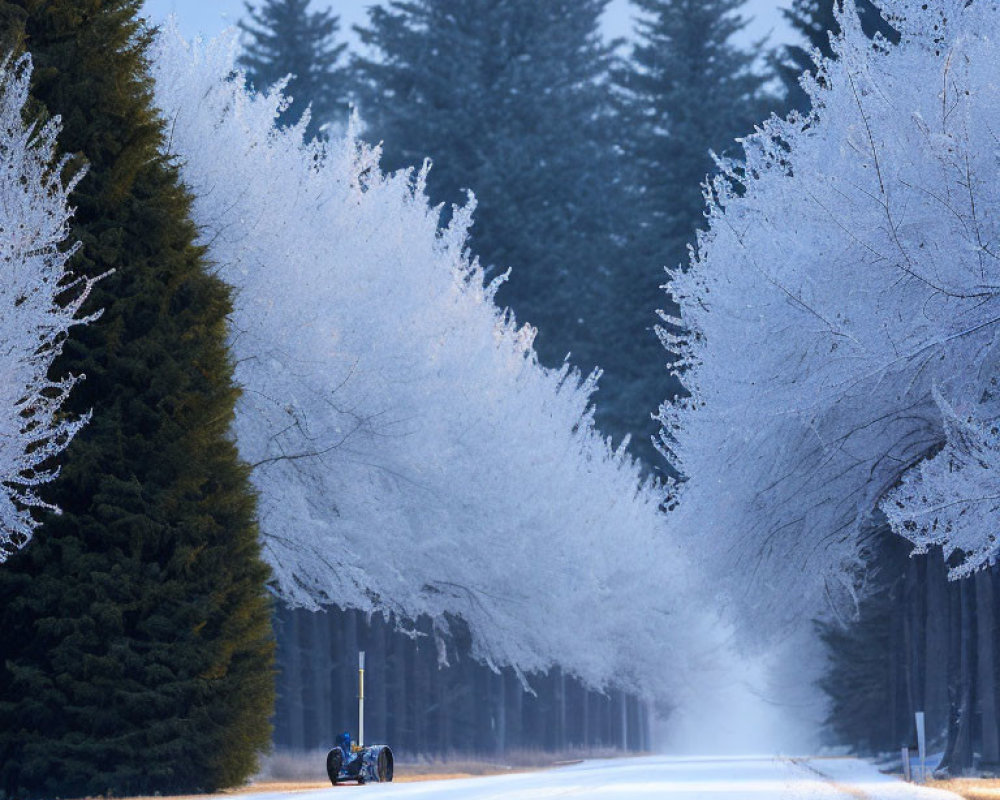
{"x": 361, "y": 698}
{"x": 624, "y": 721}
{"x": 922, "y": 745}
{"x": 906, "y": 765}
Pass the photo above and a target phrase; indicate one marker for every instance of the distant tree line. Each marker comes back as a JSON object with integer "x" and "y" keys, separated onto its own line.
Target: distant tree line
{"x": 428, "y": 708}
{"x": 836, "y": 335}
{"x": 919, "y": 643}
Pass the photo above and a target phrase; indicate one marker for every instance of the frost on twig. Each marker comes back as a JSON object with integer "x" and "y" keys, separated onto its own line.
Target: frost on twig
{"x": 39, "y": 302}
{"x": 952, "y": 499}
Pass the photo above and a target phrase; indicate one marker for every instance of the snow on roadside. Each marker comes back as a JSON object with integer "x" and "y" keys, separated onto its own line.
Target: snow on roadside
{"x": 660, "y": 778}
{"x": 866, "y": 781}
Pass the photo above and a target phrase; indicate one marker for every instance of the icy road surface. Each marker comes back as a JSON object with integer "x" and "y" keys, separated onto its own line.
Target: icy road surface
{"x": 659, "y": 777}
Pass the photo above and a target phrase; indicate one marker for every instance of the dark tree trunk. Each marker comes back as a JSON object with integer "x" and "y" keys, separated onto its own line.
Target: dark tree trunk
{"x": 986, "y": 697}
{"x": 958, "y": 753}
{"x": 936, "y": 650}
{"x": 501, "y": 715}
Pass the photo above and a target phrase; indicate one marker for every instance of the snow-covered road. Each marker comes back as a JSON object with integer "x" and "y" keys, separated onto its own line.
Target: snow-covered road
{"x": 662, "y": 777}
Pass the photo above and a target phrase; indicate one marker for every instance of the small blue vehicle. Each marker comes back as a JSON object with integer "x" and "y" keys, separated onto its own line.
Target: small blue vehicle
{"x": 349, "y": 762}
{"x": 372, "y": 764}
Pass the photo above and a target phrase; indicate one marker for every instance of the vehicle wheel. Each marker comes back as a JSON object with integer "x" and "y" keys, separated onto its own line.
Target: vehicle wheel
{"x": 385, "y": 766}
{"x": 334, "y": 763}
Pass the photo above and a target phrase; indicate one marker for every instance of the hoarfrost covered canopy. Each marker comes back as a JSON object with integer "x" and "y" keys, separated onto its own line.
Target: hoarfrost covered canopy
{"x": 411, "y": 454}
{"x": 855, "y": 276}
{"x": 39, "y": 303}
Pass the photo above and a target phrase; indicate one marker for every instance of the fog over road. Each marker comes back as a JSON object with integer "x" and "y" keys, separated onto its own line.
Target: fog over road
{"x": 750, "y": 778}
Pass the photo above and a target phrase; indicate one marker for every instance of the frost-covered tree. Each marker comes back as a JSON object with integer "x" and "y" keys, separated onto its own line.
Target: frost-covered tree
{"x": 952, "y": 499}
{"x": 849, "y": 273}
{"x": 512, "y": 98}
{"x": 410, "y": 452}
{"x": 687, "y": 91}
{"x": 816, "y": 22}
{"x": 285, "y": 40}
{"x": 40, "y": 301}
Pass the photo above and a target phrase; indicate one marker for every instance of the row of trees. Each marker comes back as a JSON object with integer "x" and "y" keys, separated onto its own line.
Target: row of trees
{"x": 586, "y": 164}
{"x": 857, "y": 390}
{"x": 837, "y": 337}
{"x": 511, "y": 101}
{"x": 411, "y": 454}
{"x": 586, "y": 169}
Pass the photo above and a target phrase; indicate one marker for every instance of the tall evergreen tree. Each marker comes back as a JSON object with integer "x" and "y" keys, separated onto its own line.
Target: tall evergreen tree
{"x": 814, "y": 20}
{"x": 511, "y": 99}
{"x": 284, "y": 38}
{"x": 137, "y": 654}
{"x": 687, "y": 91}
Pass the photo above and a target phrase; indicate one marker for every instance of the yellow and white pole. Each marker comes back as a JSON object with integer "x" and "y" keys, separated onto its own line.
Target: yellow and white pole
{"x": 361, "y": 698}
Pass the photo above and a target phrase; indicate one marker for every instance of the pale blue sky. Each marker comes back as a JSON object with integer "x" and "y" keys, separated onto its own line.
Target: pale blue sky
{"x": 208, "y": 17}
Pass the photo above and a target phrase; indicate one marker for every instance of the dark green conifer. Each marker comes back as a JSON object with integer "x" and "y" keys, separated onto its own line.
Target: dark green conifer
{"x": 689, "y": 90}
{"x": 284, "y": 38}
{"x": 137, "y": 654}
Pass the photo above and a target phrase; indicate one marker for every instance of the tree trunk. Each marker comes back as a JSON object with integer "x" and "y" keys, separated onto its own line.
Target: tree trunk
{"x": 623, "y": 710}
{"x": 958, "y": 751}
{"x": 936, "y": 650}
{"x": 501, "y": 715}
{"x": 293, "y": 683}
{"x": 986, "y": 663}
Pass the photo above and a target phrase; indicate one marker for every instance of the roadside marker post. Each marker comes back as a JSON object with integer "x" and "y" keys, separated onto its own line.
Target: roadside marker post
{"x": 361, "y": 699}
{"x": 922, "y": 745}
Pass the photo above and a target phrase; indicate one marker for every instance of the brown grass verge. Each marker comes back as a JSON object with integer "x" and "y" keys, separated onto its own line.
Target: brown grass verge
{"x": 293, "y": 772}
{"x": 291, "y": 787}
{"x": 405, "y": 773}
{"x": 970, "y": 788}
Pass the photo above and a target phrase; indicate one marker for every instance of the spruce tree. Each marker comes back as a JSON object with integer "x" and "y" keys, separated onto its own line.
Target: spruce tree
{"x": 511, "y": 99}
{"x": 284, "y": 38}
{"x": 687, "y": 91}
{"x": 814, "y": 20}
{"x": 137, "y": 653}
